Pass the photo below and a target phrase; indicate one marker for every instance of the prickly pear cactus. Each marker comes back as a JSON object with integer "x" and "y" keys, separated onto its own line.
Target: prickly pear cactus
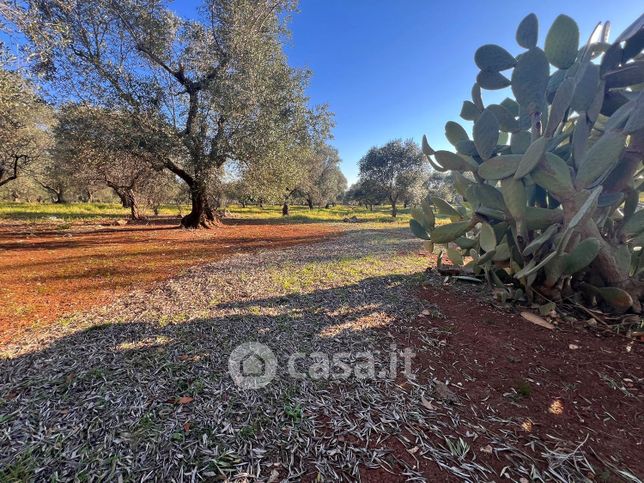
{"x": 550, "y": 178}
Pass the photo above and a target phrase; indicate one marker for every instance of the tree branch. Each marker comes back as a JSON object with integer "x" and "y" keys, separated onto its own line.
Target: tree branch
{"x": 16, "y": 160}
{"x": 180, "y": 172}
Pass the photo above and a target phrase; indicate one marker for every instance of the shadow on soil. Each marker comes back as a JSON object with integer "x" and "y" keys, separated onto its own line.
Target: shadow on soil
{"x": 95, "y": 386}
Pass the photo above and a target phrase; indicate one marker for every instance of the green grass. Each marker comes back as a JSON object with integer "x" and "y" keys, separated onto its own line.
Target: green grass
{"x": 302, "y": 214}
{"x": 523, "y": 389}
{"x": 294, "y": 412}
{"x": 343, "y": 271}
{"x": 68, "y": 212}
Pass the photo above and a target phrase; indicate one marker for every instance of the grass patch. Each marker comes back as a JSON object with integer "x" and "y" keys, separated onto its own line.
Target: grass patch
{"x": 294, "y": 412}
{"x": 301, "y": 278}
{"x": 523, "y": 389}
{"x": 69, "y": 212}
{"x": 20, "y": 470}
{"x": 302, "y": 214}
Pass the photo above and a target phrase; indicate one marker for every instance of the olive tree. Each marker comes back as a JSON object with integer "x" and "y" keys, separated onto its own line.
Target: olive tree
{"x": 101, "y": 146}
{"x": 25, "y": 122}
{"x": 393, "y": 169}
{"x": 366, "y": 192}
{"x": 276, "y": 176}
{"x": 211, "y": 89}
{"x": 323, "y": 182}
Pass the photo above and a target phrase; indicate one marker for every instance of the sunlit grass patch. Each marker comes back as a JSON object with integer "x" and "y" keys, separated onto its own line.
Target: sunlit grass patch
{"x": 294, "y": 279}
{"x": 302, "y": 214}
{"x": 146, "y": 343}
{"x": 67, "y": 212}
{"x": 63, "y": 213}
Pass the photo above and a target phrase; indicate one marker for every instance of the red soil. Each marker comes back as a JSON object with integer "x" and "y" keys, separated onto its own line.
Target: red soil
{"x": 571, "y": 383}
{"x": 47, "y": 272}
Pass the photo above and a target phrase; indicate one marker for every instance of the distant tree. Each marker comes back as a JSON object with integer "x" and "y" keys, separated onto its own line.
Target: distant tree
{"x": 101, "y": 146}
{"x": 214, "y": 88}
{"x": 440, "y": 185}
{"x": 415, "y": 188}
{"x": 367, "y": 193}
{"x": 274, "y": 177}
{"x": 166, "y": 189}
{"x": 393, "y": 169}
{"x": 350, "y": 193}
{"x": 335, "y": 185}
{"x": 237, "y": 191}
{"x": 25, "y": 123}
{"x": 56, "y": 177}
{"x": 323, "y": 182}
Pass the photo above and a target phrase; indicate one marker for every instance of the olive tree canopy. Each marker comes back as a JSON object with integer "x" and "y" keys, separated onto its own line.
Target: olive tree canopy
{"x": 25, "y": 123}
{"x": 323, "y": 182}
{"x": 209, "y": 89}
{"x": 393, "y": 169}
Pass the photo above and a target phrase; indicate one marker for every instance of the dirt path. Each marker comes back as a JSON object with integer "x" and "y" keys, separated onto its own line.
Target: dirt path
{"x": 51, "y": 270}
{"x": 141, "y": 388}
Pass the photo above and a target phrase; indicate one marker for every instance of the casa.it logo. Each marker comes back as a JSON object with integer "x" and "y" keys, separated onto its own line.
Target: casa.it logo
{"x": 252, "y": 365}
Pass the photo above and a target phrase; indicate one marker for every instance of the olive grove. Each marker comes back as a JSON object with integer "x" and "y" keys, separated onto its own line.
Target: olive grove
{"x": 199, "y": 92}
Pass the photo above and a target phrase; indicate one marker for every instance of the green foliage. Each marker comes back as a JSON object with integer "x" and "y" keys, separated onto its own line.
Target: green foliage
{"x": 25, "y": 122}
{"x": 61, "y": 214}
{"x": 396, "y": 171}
{"x": 66, "y": 212}
{"x": 323, "y": 182}
{"x": 523, "y": 389}
{"x": 213, "y": 88}
{"x": 551, "y": 182}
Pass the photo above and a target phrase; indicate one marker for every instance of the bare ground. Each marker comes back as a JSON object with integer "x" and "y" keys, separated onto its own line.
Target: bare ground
{"x": 140, "y": 389}
{"x": 51, "y": 270}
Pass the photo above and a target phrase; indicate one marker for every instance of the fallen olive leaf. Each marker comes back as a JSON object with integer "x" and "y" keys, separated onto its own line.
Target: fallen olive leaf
{"x": 535, "y": 319}
{"x": 487, "y": 449}
{"x": 427, "y": 404}
{"x": 274, "y": 476}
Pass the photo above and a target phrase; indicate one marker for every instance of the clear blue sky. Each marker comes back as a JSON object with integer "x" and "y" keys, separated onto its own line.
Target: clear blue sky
{"x": 402, "y": 68}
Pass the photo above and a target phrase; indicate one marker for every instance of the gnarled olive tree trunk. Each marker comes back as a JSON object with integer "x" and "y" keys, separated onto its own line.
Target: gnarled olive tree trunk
{"x": 394, "y": 206}
{"x": 201, "y": 214}
{"x": 128, "y": 200}
{"x": 57, "y": 192}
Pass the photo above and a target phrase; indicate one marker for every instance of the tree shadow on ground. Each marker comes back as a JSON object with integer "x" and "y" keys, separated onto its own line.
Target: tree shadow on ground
{"x": 298, "y": 219}
{"x": 129, "y": 398}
